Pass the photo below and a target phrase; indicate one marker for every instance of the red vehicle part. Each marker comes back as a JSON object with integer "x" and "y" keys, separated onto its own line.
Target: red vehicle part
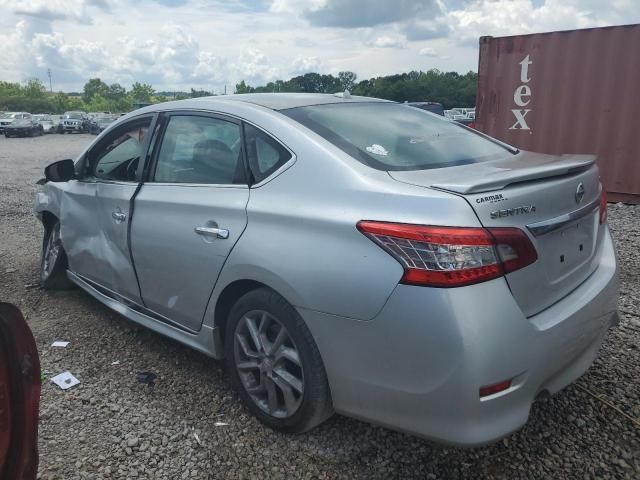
{"x": 19, "y": 397}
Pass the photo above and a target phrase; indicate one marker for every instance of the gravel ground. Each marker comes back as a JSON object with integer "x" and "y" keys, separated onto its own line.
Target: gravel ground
{"x": 190, "y": 425}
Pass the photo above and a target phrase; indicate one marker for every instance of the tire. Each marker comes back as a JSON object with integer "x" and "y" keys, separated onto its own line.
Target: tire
{"x": 307, "y": 408}
{"x": 53, "y": 266}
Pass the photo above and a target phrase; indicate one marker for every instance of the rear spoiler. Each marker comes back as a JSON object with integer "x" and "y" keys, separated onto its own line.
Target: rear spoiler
{"x": 514, "y": 171}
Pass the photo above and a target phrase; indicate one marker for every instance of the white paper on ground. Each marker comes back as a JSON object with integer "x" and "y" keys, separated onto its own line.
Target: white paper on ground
{"x": 59, "y": 344}
{"x": 221, "y": 424}
{"x": 65, "y": 380}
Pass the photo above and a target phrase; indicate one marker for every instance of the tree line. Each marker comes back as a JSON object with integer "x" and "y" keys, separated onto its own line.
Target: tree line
{"x": 97, "y": 96}
{"x": 449, "y": 88}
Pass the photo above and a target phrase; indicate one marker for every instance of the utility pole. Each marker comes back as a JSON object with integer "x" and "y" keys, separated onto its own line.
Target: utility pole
{"x": 49, "y": 75}
{"x": 225, "y": 88}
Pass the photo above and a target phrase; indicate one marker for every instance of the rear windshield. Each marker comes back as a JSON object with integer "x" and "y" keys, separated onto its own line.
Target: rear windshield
{"x": 391, "y": 136}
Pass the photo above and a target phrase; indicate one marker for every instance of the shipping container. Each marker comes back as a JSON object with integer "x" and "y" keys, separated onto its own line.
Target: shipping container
{"x": 567, "y": 92}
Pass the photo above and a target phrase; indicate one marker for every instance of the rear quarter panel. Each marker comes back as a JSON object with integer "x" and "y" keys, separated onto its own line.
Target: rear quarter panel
{"x": 301, "y": 238}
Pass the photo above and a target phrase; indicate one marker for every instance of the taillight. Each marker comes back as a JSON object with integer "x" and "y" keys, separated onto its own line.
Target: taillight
{"x": 451, "y": 256}
{"x": 603, "y": 205}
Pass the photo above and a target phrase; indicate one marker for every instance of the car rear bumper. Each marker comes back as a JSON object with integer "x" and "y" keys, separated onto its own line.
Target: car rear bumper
{"x": 418, "y": 366}
{"x": 17, "y": 131}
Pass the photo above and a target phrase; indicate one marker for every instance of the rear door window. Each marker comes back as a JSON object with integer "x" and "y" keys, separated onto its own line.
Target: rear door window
{"x": 265, "y": 154}
{"x": 202, "y": 150}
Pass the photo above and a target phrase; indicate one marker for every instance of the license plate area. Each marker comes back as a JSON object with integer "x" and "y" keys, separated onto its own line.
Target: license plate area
{"x": 568, "y": 250}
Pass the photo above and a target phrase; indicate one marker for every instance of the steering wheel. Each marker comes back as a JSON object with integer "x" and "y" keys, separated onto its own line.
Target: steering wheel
{"x": 132, "y": 168}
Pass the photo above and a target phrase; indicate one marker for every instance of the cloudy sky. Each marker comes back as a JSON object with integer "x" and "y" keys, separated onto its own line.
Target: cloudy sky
{"x": 179, "y": 44}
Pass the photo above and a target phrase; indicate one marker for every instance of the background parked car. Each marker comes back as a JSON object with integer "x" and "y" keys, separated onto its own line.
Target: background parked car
{"x": 8, "y": 118}
{"x": 74, "y": 122}
{"x": 23, "y": 127}
{"x": 19, "y": 397}
{"x": 93, "y": 115}
{"x": 98, "y": 124}
{"x": 57, "y": 120}
{"x": 433, "y": 107}
{"x": 47, "y": 122}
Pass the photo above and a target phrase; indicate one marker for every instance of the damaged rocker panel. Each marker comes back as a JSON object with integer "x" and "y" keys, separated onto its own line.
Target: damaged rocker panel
{"x": 207, "y": 340}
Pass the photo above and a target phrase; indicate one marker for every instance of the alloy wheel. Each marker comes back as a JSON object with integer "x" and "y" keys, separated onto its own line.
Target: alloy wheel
{"x": 268, "y": 364}
{"x": 51, "y": 252}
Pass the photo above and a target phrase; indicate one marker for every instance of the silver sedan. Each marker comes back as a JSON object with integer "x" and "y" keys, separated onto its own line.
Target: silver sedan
{"x": 343, "y": 254}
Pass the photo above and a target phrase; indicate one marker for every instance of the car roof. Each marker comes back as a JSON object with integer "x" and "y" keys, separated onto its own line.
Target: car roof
{"x": 282, "y": 101}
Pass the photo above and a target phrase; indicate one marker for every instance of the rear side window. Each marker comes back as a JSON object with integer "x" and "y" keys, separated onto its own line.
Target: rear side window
{"x": 200, "y": 150}
{"x": 391, "y": 136}
{"x": 265, "y": 154}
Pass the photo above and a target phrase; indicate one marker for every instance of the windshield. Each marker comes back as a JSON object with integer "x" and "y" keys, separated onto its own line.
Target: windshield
{"x": 391, "y": 136}
{"x": 73, "y": 115}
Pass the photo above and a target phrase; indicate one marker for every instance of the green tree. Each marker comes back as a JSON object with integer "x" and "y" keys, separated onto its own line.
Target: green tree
{"x": 8, "y": 89}
{"x": 242, "y": 87}
{"x": 347, "y": 80}
{"x": 59, "y": 103}
{"x": 99, "y": 103}
{"x": 199, "y": 93}
{"x": 115, "y": 92}
{"x": 141, "y": 92}
{"x": 34, "y": 89}
{"x": 93, "y": 87}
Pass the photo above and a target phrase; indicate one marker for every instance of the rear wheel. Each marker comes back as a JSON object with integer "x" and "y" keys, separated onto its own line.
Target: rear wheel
{"x": 274, "y": 363}
{"x": 53, "y": 264}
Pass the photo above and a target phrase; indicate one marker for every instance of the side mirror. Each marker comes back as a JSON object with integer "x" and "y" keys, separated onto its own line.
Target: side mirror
{"x": 60, "y": 171}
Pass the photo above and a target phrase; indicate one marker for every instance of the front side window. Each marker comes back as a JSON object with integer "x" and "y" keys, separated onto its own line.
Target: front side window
{"x": 391, "y": 136}
{"x": 117, "y": 157}
{"x": 265, "y": 154}
{"x": 200, "y": 150}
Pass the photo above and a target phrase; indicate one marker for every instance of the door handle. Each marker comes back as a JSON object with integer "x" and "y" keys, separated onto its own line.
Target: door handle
{"x": 212, "y": 232}
{"x": 118, "y": 216}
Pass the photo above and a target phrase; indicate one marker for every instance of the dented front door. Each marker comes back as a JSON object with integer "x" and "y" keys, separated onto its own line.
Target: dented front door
{"x": 96, "y": 210}
{"x": 95, "y": 235}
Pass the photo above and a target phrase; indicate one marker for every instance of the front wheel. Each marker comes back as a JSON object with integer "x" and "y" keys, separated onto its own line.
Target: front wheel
{"x": 274, "y": 363}
{"x": 53, "y": 264}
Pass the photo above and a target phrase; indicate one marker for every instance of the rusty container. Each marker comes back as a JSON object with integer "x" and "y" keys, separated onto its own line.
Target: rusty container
{"x": 569, "y": 92}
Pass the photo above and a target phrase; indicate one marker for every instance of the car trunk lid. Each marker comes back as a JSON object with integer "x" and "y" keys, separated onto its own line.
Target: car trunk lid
{"x": 554, "y": 199}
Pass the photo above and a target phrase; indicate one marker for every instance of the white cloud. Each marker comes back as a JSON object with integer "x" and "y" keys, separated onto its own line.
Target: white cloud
{"x": 387, "y": 41}
{"x": 179, "y": 44}
{"x": 427, "y": 52}
{"x": 55, "y": 9}
{"x": 514, "y": 17}
{"x": 302, "y": 64}
{"x": 357, "y": 13}
{"x": 13, "y": 52}
{"x": 253, "y": 66}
